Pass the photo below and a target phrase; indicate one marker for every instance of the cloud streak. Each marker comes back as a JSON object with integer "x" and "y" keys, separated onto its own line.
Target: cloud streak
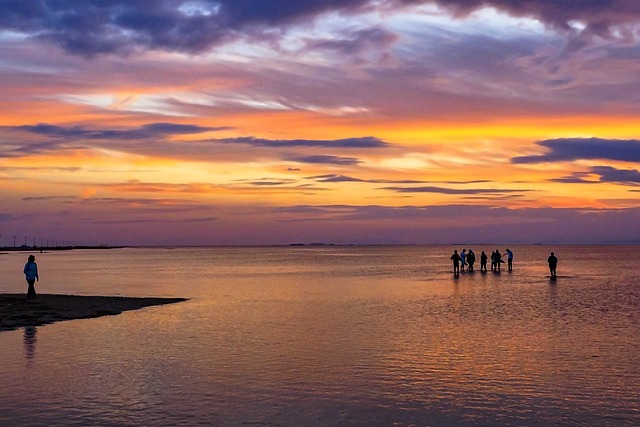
{"x": 346, "y": 178}
{"x": 453, "y": 191}
{"x": 606, "y": 174}
{"x": 364, "y": 142}
{"x": 324, "y": 160}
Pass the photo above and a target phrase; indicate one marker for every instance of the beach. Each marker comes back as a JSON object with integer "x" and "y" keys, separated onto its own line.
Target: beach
{"x": 16, "y": 311}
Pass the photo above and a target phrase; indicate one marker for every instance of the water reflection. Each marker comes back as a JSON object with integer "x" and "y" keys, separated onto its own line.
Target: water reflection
{"x": 284, "y": 337}
{"x": 29, "y": 340}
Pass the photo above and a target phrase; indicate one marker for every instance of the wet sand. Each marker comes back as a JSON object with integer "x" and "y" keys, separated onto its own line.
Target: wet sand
{"x": 16, "y": 311}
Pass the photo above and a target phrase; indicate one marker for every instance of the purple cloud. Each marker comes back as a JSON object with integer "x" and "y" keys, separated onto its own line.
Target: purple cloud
{"x": 598, "y": 16}
{"x": 62, "y": 137}
{"x": 364, "y": 142}
{"x": 152, "y": 130}
{"x": 581, "y": 148}
{"x": 444, "y": 190}
{"x": 91, "y": 27}
{"x": 345, "y": 178}
{"x": 606, "y": 174}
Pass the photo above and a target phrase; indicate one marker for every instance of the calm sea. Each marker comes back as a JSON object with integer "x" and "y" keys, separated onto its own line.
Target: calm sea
{"x": 327, "y": 336}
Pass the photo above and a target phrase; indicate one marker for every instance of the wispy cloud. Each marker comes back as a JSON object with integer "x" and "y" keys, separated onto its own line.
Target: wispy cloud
{"x": 346, "y": 178}
{"x": 454, "y": 191}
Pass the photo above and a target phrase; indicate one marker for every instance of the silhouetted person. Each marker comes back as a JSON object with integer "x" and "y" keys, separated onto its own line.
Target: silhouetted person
{"x": 31, "y": 274}
{"x": 553, "y": 264}
{"x": 498, "y": 260}
{"x": 463, "y": 258}
{"x": 456, "y": 262}
{"x": 509, "y": 256}
{"x": 483, "y": 261}
{"x": 471, "y": 259}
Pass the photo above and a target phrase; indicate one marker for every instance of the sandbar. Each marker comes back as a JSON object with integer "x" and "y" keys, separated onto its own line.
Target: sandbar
{"x": 16, "y": 311}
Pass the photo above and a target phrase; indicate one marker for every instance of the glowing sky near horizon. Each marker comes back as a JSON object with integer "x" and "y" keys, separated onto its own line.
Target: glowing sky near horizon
{"x": 361, "y": 121}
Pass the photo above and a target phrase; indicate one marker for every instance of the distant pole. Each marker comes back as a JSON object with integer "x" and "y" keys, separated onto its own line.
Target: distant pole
{"x": 14, "y": 241}
{"x": 34, "y": 242}
{"x": 25, "y": 240}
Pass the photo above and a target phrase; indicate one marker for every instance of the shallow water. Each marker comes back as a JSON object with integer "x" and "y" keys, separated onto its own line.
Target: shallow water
{"x": 330, "y": 336}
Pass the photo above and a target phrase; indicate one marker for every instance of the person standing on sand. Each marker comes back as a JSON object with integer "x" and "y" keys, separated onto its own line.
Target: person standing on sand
{"x": 509, "y": 256}
{"x": 456, "y": 262}
{"x": 553, "y": 264}
{"x": 31, "y": 274}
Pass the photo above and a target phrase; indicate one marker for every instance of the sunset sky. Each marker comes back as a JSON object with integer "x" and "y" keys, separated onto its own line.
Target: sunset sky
{"x": 223, "y": 122}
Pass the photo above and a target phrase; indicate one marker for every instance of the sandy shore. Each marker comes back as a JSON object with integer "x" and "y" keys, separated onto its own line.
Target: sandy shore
{"x": 16, "y": 311}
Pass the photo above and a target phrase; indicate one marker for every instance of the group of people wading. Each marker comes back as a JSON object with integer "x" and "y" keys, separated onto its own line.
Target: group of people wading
{"x": 464, "y": 261}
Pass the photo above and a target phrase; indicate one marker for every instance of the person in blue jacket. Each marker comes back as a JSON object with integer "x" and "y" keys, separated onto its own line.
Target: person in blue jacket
{"x": 509, "y": 256}
{"x": 31, "y": 274}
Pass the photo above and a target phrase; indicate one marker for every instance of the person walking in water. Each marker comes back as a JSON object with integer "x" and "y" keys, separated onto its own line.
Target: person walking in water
{"x": 553, "y": 264}
{"x": 31, "y": 274}
{"x": 498, "y": 260}
{"x": 456, "y": 262}
{"x": 483, "y": 262}
{"x": 509, "y": 256}
{"x": 463, "y": 259}
{"x": 471, "y": 259}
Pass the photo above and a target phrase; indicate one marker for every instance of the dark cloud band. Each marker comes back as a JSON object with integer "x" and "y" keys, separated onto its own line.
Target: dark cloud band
{"x": 364, "y": 142}
{"x": 146, "y": 131}
{"x": 589, "y": 149}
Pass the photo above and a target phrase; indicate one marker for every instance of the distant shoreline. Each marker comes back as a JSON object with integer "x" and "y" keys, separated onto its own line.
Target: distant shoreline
{"x": 44, "y": 249}
{"x": 18, "y": 312}
{"x": 24, "y": 248}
